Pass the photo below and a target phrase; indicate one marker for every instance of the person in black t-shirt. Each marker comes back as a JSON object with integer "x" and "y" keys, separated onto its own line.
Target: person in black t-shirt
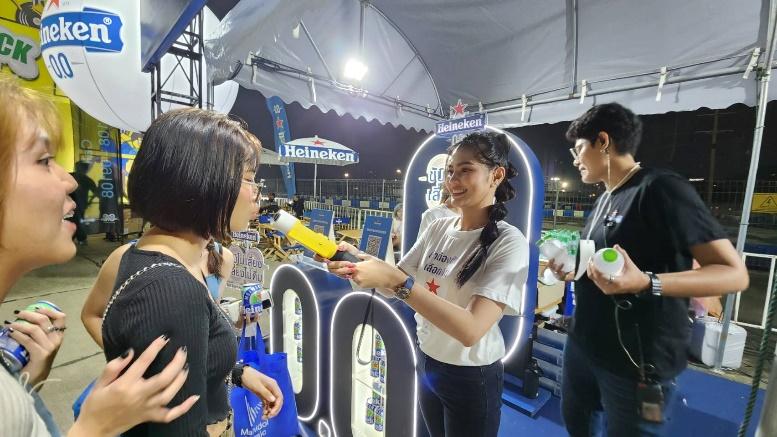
{"x": 630, "y": 332}
{"x": 298, "y": 206}
{"x": 269, "y": 206}
{"x": 81, "y": 197}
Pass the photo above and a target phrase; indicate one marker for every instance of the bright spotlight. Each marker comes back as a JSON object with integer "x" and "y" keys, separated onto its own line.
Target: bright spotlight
{"x": 355, "y": 69}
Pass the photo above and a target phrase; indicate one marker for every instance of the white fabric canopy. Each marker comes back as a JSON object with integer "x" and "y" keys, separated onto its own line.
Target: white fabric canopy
{"x": 430, "y": 53}
{"x": 271, "y": 158}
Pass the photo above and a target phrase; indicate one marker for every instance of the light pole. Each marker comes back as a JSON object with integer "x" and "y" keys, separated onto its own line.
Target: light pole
{"x": 559, "y": 186}
{"x": 346, "y": 185}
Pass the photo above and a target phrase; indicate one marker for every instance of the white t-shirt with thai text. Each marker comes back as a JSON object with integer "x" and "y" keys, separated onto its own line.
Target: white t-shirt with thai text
{"x": 433, "y": 214}
{"x": 435, "y": 260}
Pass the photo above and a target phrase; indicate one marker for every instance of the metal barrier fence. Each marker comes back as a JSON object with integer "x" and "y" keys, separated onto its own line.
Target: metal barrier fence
{"x": 761, "y": 267}
{"x": 355, "y": 216}
{"x": 724, "y": 198}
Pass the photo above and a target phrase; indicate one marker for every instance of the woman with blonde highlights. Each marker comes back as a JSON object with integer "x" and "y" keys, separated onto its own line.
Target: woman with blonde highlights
{"x": 34, "y": 203}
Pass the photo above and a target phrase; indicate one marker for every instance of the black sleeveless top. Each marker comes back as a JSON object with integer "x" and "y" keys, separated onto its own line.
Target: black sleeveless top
{"x": 169, "y": 300}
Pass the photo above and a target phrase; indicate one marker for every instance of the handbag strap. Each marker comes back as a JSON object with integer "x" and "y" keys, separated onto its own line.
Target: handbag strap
{"x": 132, "y": 278}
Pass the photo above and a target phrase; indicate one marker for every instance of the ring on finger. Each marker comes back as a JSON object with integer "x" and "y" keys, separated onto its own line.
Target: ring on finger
{"x": 51, "y": 329}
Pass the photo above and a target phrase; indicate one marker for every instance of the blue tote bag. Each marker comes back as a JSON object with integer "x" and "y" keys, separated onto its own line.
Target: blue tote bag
{"x": 247, "y": 407}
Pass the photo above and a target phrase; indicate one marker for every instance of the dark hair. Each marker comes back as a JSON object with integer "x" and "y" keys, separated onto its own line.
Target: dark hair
{"x": 188, "y": 171}
{"x": 622, "y": 125}
{"x": 215, "y": 258}
{"x": 492, "y": 150}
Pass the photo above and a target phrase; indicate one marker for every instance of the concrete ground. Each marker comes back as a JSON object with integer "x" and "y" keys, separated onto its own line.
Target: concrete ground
{"x": 80, "y": 360}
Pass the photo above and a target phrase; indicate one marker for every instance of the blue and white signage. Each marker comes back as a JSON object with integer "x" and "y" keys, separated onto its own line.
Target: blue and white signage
{"x": 91, "y": 48}
{"x": 320, "y": 154}
{"x": 94, "y": 29}
{"x": 458, "y": 126}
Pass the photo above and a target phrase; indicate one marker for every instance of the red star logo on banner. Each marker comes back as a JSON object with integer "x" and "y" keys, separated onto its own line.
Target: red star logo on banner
{"x": 432, "y": 286}
{"x": 458, "y": 110}
{"x": 318, "y": 143}
{"x": 279, "y": 123}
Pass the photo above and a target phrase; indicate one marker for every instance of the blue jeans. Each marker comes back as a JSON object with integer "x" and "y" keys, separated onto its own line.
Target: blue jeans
{"x": 597, "y": 402}
{"x": 461, "y": 401}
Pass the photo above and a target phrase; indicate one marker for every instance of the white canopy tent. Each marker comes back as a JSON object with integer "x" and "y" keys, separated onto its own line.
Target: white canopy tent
{"x": 423, "y": 55}
{"x": 271, "y": 158}
{"x": 523, "y": 62}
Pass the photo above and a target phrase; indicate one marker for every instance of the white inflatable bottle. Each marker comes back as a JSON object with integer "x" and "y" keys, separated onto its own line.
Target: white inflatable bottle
{"x": 608, "y": 261}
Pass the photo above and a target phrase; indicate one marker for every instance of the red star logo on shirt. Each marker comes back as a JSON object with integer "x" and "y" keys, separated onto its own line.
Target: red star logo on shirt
{"x": 318, "y": 143}
{"x": 458, "y": 110}
{"x": 279, "y": 123}
{"x": 432, "y": 286}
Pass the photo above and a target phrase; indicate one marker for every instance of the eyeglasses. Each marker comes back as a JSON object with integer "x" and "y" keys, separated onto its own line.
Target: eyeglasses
{"x": 575, "y": 153}
{"x": 255, "y": 187}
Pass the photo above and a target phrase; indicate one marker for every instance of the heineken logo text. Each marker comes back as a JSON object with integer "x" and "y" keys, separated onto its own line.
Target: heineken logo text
{"x": 94, "y": 29}
{"x": 469, "y": 123}
{"x": 318, "y": 153}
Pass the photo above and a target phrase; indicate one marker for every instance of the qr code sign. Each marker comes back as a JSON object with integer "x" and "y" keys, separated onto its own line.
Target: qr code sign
{"x": 373, "y": 245}
{"x": 319, "y": 229}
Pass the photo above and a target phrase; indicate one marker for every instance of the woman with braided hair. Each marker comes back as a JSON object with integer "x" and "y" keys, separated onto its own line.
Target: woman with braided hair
{"x": 461, "y": 276}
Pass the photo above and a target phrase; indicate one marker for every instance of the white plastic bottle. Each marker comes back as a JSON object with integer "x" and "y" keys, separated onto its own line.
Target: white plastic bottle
{"x": 608, "y": 261}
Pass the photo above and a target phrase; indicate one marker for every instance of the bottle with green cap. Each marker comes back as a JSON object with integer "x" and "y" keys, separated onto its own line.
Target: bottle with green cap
{"x": 608, "y": 261}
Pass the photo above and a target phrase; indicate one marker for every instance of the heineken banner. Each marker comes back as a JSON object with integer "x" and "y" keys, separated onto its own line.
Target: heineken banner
{"x": 282, "y": 136}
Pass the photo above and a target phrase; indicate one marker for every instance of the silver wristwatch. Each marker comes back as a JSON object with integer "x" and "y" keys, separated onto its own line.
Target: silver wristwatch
{"x": 656, "y": 288}
{"x": 403, "y": 291}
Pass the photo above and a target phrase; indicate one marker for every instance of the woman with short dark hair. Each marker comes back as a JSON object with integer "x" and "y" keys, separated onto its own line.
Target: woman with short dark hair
{"x": 630, "y": 331}
{"x": 193, "y": 180}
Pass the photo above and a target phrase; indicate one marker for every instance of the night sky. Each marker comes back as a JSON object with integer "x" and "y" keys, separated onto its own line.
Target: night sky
{"x": 675, "y": 140}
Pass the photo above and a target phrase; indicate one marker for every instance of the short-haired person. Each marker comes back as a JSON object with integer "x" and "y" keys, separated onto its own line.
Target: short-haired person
{"x": 193, "y": 179}
{"x": 34, "y": 202}
{"x": 461, "y": 276}
{"x": 630, "y": 333}
{"x": 270, "y": 206}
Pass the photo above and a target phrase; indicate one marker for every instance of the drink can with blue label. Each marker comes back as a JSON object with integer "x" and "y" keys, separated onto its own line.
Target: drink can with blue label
{"x": 14, "y": 354}
{"x": 298, "y": 329}
{"x": 252, "y": 298}
{"x": 299, "y": 353}
{"x": 378, "y": 418}
{"x": 382, "y": 370}
{"x": 379, "y": 342}
{"x": 297, "y": 306}
{"x": 375, "y": 366}
{"x": 369, "y": 418}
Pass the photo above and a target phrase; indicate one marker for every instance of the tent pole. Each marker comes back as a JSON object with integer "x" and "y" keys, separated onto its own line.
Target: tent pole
{"x": 764, "y": 75}
{"x": 315, "y": 176}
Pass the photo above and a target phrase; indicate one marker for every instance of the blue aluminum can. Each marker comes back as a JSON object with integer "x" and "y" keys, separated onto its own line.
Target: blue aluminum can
{"x": 382, "y": 370}
{"x": 298, "y": 329}
{"x": 369, "y": 418}
{"x": 252, "y": 298}
{"x": 379, "y": 419}
{"x": 14, "y": 354}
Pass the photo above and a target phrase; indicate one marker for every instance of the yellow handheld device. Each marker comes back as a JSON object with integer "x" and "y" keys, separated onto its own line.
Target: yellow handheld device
{"x": 318, "y": 243}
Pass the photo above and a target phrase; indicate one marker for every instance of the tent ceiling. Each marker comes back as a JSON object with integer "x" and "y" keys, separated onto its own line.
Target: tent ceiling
{"x": 433, "y": 52}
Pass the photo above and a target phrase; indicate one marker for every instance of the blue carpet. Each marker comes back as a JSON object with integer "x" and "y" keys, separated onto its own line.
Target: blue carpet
{"x": 705, "y": 405}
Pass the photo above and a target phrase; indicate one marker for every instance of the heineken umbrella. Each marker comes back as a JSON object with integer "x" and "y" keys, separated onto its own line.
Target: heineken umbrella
{"x": 317, "y": 151}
